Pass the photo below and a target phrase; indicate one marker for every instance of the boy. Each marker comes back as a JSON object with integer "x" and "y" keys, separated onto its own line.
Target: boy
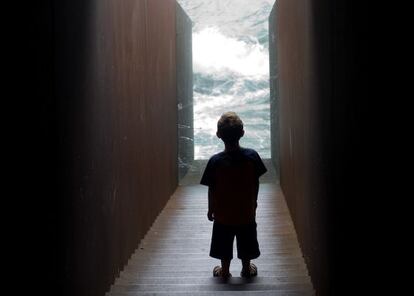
{"x": 232, "y": 177}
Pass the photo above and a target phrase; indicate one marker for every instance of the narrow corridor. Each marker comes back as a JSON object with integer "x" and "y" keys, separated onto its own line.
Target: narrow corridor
{"x": 173, "y": 259}
{"x": 103, "y": 92}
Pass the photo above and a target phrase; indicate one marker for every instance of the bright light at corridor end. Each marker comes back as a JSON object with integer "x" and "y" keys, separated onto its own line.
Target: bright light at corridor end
{"x": 231, "y": 70}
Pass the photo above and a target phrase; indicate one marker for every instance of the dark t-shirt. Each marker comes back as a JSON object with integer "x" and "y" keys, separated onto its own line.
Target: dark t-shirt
{"x": 233, "y": 180}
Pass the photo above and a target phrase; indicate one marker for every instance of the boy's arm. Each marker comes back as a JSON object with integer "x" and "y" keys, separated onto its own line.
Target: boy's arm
{"x": 210, "y": 214}
{"x": 260, "y": 170}
{"x": 257, "y": 191}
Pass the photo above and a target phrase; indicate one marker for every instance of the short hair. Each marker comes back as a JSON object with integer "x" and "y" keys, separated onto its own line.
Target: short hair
{"x": 230, "y": 127}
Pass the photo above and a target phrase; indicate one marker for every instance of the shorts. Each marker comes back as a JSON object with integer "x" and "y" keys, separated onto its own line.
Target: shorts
{"x": 223, "y": 237}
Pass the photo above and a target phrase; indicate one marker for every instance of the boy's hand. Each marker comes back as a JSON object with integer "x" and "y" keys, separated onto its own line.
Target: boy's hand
{"x": 210, "y": 216}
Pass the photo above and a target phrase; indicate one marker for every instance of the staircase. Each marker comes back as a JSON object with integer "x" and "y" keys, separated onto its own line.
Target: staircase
{"x": 173, "y": 258}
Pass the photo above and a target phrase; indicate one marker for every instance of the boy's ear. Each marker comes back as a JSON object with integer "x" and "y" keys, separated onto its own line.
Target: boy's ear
{"x": 218, "y": 135}
{"x": 242, "y": 133}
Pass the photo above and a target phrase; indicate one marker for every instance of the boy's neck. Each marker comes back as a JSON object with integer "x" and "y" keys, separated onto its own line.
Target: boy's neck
{"x": 231, "y": 147}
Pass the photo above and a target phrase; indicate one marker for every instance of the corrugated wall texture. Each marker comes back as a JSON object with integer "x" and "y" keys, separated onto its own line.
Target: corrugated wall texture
{"x": 184, "y": 92}
{"x": 116, "y": 87}
{"x": 309, "y": 71}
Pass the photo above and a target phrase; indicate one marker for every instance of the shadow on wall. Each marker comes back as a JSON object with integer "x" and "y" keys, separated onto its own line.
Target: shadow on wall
{"x": 116, "y": 89}
{"x": 184, "y": 92}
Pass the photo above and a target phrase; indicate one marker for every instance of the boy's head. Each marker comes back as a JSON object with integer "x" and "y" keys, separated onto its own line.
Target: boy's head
{"x": 230, "y": 128}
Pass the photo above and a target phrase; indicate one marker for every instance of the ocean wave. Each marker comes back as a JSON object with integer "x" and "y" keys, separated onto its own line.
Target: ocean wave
{"x": 231, "y": 70}
{"x": 215, "y": 53}
{"x": 235, "y": 18}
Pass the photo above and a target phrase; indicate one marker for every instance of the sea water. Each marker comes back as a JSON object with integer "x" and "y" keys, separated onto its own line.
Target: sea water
{"x": 231, "y": 70}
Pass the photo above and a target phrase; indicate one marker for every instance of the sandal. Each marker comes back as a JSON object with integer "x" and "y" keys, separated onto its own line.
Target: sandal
{"x": 250, "y": 273}
{"x": 218, "y": 272}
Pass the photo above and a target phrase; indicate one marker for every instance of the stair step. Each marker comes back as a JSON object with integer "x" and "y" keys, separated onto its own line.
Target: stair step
{"x": 202, "y": 256}
{"x": 216, "y": 293}
{"x": 287, "y": 231}
{"x": 207, "y": 235}
{"x": 205, "y": 228}
{"x": 207, "y": 240}
{"x": 173, "y": 257}
{"x": 212, "y": 287}
{"x": 202, "y": 221}
{"x": 162, "y": 269}
{"x": 266, "y": 270}
{"x": 208, "y": 260}
{"x": 197, "y": 244}
{"x": 206, "y": 273}
{"x": 211, "y": 280}
{"x": 205, "y": 249}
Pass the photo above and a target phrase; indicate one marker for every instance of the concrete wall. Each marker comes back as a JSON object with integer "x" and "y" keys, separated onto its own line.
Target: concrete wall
{"x": 184, "y": 92}
{"x": 311, "y": 94}
{"x": 115, "y": 72}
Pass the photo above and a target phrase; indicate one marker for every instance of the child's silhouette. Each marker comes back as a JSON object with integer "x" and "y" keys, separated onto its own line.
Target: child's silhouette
{"x": 232, "y": 177}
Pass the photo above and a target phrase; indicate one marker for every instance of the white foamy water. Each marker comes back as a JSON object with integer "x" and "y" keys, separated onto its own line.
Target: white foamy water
{"x": 215, "y": 53}
{"x": 231, "y": 70}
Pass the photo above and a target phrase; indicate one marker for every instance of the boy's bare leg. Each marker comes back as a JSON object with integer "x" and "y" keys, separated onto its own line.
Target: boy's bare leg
{"x": 225, "y": 267}
{"x": 246, "y": 265}
{"x": 248, "y": 269}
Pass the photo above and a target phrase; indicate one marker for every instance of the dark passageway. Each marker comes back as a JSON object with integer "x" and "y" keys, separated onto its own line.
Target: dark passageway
{"x": 109, "y": 75}
{"x": 172, "y": 259}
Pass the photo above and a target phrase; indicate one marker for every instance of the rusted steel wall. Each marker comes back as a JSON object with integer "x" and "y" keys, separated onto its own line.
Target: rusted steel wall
{"x": 115, "y": 64}
{"x": 184, "y": 92}
{"x": 274, "y": 93}
{"x": 292, "y": 42}
{"x": 310, "y": 101}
